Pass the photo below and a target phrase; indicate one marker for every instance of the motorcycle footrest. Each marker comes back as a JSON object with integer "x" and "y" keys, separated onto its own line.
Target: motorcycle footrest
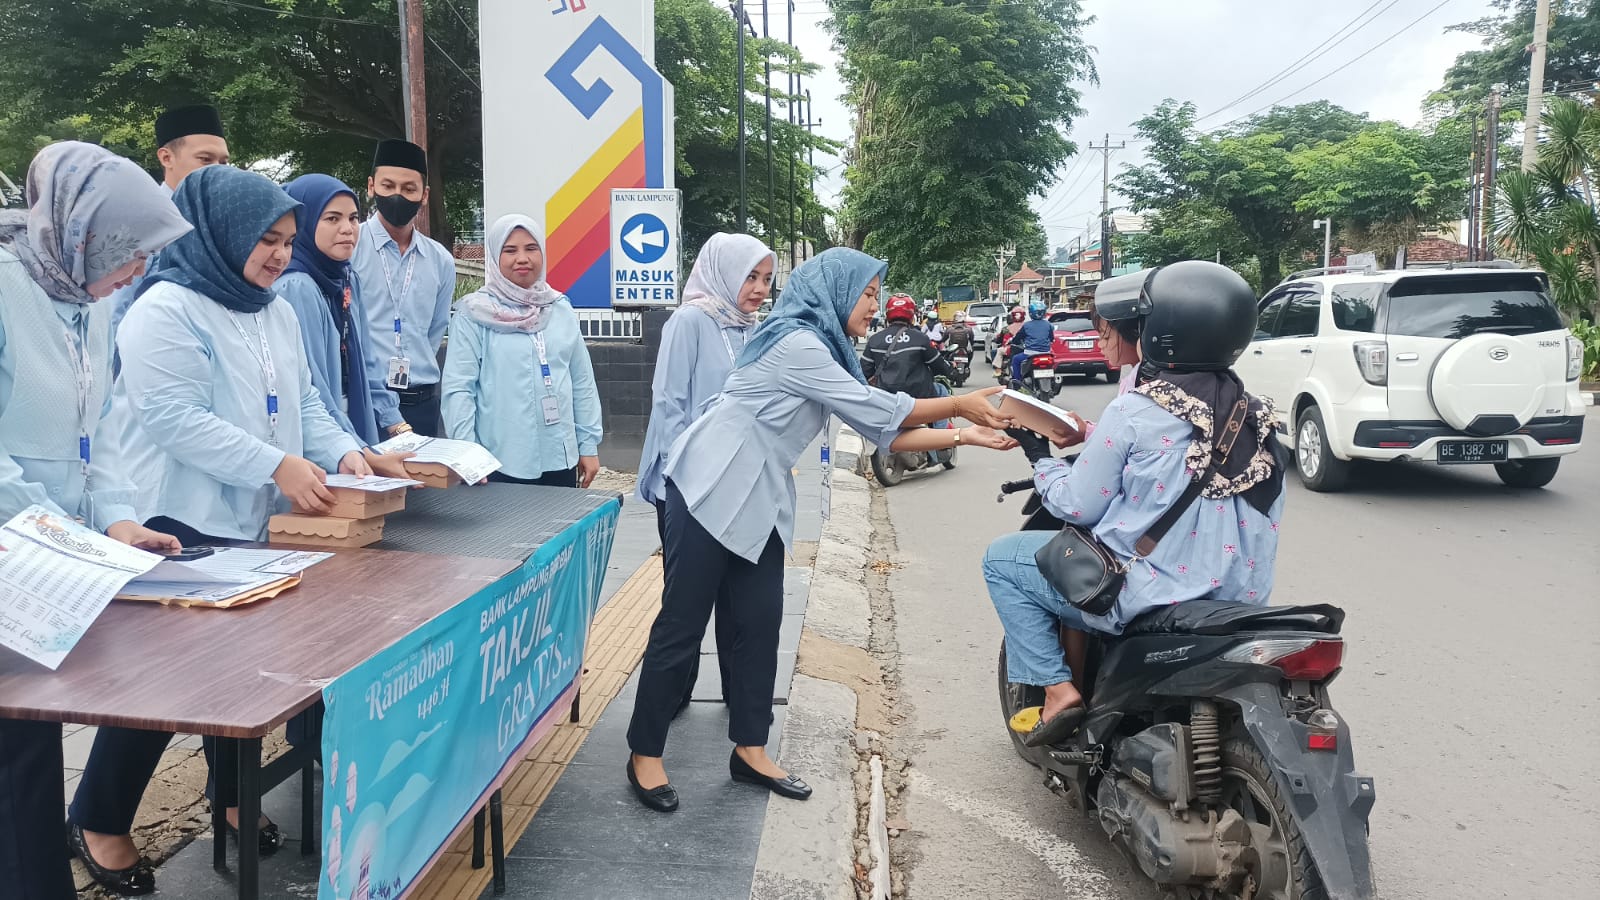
{"x": 1075, "y": 757}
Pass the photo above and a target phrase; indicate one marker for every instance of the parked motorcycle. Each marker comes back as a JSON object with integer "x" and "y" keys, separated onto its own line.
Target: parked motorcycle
{"x": 1211, "y": 753}
{"x": 890, "y": 467}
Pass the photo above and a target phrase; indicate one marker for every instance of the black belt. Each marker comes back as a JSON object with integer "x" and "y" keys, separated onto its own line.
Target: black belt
{"x": 425, "y": 392}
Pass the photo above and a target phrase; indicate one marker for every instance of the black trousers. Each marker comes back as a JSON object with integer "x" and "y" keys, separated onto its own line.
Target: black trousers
{"x": 701, "y": 574}
{"x": 556, "y": 478}
{"x": 419, "y": 406}
{"x": 33, "y": 842}
{"x": 724, "y": 625}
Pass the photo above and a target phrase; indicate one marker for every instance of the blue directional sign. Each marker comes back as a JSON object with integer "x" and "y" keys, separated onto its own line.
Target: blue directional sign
{"x": 644, "y": 238}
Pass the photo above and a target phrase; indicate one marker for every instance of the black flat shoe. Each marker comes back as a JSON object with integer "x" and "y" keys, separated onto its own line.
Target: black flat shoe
{"x": 660, "y": 799}
{"x": 1056, "y": 730}
{"x": 134, "y": 881}
{"x": 791, "y": 787}
{"x": 269, "y": 838}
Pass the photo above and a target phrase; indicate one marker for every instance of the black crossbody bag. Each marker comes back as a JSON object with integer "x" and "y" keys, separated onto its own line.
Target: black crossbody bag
{"x": 1085, "y": 571}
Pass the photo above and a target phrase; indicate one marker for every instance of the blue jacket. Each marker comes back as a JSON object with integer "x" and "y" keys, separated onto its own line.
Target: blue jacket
{"x": 1036, "y": 335}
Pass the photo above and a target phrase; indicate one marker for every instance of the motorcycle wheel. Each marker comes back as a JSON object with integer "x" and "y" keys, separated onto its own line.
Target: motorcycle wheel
{"x": 1013, "y": 699}
{"x": 887, "y": 468}
{"x": 1285, "y": 870}
{"x": 960, "y": 380}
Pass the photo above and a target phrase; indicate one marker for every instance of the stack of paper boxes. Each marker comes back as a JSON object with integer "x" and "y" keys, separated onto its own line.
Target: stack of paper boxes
{"x": 355, "y": 520}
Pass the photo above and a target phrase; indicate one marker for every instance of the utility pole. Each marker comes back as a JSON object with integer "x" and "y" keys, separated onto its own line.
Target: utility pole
{"x": 1530, "y": 122}
{"x": 811, "y": 162}
{"x": 1001, "y": 256}
{"x": 1327, "y": 239}
{"x": 1105, "y": 203}
{"x": 766, "y": 55}
{"x": 414, "y": 84}
{"x": 740, "y": 23}
{"x": 794, "y": 88}
{"x": 1491, "y": 161}
{"x": 1473, "y": 201}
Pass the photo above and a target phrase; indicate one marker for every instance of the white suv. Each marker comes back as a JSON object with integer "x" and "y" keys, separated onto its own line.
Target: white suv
{"x": 1453, "y": 366}
{"x": 985, "y": 316}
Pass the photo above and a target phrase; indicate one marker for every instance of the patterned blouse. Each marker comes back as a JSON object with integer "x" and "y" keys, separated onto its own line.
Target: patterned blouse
{"x": 1131, "y": 469}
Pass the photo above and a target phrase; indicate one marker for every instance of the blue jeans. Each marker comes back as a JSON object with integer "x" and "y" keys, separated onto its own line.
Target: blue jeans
{"x": 1030, "y": 610}
{"x": 940, "y": 390}
{"x": 1016, "y": 363}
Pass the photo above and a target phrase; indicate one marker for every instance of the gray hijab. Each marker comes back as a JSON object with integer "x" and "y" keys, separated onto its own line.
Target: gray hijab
{"x": 719, "y": 274}
{"x": 90, "y": 212}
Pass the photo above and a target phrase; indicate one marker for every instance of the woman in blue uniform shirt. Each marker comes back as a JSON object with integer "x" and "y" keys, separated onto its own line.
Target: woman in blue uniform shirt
{"x": 730, "y": 504}
{"x": 215, "y": 407}
{"x": 731, "y": 278}
{"x": 92, "y": 221}
{"x": 517, "y": 378}
{"x": 320, "y": 289}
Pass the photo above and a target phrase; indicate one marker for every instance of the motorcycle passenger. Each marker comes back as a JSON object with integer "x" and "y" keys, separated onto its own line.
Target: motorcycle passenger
{"x": 933, "y": 329}
{"x": 1195, "y": 318}
{"x": 959, "y": 336}
{"x": 901, "y": 358}
{"x": 1003, "y": 339}
{"x": 1035, "y": 337}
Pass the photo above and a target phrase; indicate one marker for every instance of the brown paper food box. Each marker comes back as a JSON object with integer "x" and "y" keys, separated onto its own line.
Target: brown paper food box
{"x": 324, "y": 531}
{"x": 434, "y": 475}
{"x": 349, "y": 503}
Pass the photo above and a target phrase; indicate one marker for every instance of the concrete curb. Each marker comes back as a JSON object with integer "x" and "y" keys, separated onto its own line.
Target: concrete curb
{"x": 808, "y": 850}
{"x": 1588, "y": 398}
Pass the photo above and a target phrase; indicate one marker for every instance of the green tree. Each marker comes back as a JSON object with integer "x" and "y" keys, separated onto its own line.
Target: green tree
{"x": 1308, "y": 124}
{"x": 1572, "y": 54}
{"x": 1548, "y": 214}
{"x": 960, "y": 113}
{"x": 1383, "y": 184}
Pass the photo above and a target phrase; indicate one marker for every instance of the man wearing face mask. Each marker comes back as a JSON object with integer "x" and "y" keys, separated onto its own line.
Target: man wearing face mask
{"x": 407, "y": 281}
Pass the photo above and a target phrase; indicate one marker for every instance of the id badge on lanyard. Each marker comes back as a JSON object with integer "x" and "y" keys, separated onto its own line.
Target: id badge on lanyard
{"x": 827, "y": 468}
{"x": 83, "y": 376}
{"x": 552, "y": 406}
{"x": 399, "y": 375}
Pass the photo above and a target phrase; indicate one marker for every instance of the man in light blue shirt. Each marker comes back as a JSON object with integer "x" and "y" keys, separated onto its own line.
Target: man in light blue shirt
{"x": 407, "y": 281}
{"x": 189, "y": 138}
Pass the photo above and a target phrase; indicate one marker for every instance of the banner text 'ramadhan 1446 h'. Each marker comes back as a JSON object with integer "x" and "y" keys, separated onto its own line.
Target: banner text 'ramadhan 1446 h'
{"x": 572, "y": 108}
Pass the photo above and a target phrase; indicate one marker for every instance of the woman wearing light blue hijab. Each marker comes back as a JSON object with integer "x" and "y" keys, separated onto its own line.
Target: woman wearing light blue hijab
{"x": 730, "y": 501}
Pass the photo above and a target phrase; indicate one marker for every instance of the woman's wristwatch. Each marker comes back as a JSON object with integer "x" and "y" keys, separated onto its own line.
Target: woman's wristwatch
{"x": 958, "y": 437}
{"x": 397, "y": 430}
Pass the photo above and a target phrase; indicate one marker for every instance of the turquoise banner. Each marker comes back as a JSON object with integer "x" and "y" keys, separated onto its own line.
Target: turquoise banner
{"x": 414, "y": 737}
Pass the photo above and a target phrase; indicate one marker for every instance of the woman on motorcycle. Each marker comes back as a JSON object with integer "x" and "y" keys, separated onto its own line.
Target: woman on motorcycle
{"x": 1034, "y": 337}
{"x": 1194, "y": 320}
{"x": 1017, "y": 317}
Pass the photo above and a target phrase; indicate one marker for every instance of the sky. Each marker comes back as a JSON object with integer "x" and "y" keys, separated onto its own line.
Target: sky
{"x": 1207, "y": 51}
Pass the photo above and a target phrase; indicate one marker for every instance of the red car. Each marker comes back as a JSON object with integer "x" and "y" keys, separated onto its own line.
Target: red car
{"x": 1076, "y": 347}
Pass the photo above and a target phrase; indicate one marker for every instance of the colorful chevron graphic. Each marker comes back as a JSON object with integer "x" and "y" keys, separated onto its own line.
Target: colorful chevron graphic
{"x": 578, "y": 215}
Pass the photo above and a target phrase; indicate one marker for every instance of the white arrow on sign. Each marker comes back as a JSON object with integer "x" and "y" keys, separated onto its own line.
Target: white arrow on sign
{"x": 639, "y": 239}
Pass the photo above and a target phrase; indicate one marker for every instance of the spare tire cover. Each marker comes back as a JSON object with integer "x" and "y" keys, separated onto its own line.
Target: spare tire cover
{"x": 1487, "y": 375}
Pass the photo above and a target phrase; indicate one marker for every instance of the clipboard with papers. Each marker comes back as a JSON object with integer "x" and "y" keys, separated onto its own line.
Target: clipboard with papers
{"x": 232, "y": 576}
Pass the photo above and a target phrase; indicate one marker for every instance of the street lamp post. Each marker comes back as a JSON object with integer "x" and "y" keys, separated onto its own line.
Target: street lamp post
{"x": 1327, "y": 239}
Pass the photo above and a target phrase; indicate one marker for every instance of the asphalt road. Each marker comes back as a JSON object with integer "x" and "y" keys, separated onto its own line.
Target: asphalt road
{"x": 1471, "y": 681}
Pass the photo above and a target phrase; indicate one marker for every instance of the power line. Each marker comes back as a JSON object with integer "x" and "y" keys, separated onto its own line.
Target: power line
{"x": 1064, "y": 185}
{"x": 1403, "y": 29}
{"x": 457, "y": 11}
{"x": 299, "y": 15}
{"x": 1307, "y": 58}
{"x": 446, "y": 54}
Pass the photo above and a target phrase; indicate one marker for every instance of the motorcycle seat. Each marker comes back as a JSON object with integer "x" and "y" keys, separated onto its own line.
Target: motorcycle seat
{"x": 1219, "y": 617}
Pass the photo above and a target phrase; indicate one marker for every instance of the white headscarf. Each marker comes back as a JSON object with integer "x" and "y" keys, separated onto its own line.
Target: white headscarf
{"x": 719, "y": 274}
{"x": 500, "y": 304}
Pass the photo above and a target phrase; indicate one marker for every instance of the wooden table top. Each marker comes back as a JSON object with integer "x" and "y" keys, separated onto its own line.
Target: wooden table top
{"x": 241, "y": 672}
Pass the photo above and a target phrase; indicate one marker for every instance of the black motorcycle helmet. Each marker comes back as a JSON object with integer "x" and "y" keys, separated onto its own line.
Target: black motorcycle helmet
{"x": 1195, "y": 316}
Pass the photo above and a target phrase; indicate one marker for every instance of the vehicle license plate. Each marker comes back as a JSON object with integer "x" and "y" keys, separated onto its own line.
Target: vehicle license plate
{"x": 1044, "y": 374}
{"x": 1460, "y": 452}
{"x": 1081, "y": 345}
